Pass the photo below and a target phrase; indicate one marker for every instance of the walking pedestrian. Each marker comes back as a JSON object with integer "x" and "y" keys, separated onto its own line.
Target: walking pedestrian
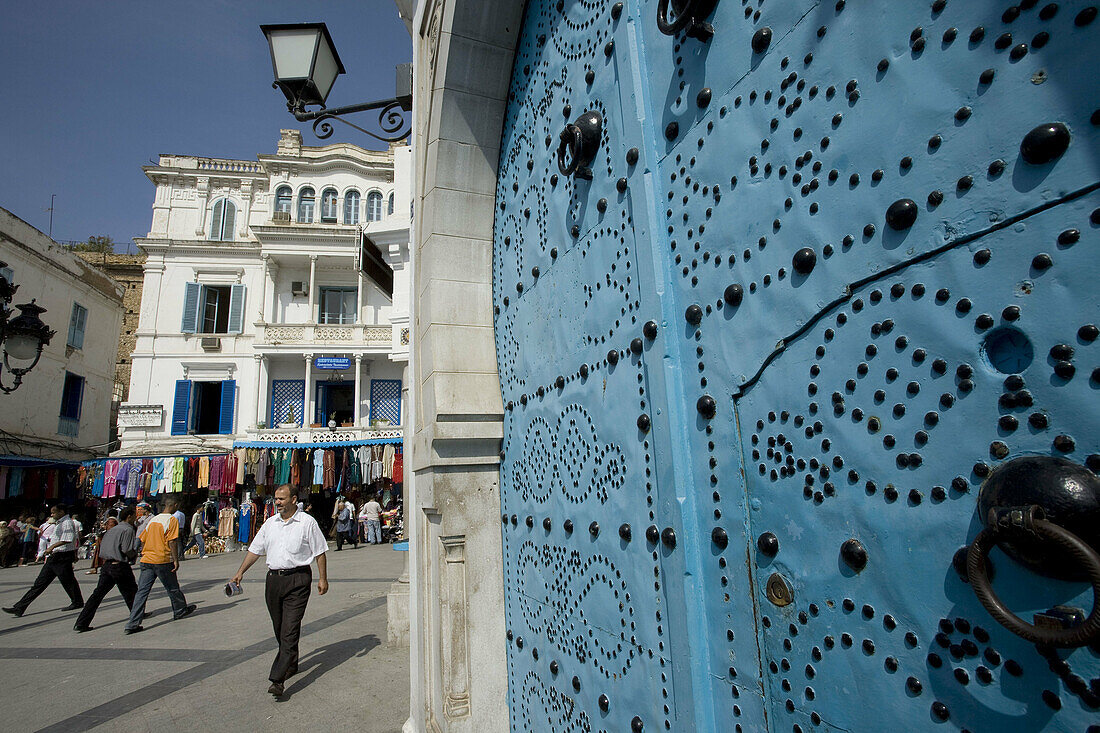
{"x": 198, "y": 526}
{"x": 290, "y": 540}
{"x": 60, "y": 558}
{"x": 144, "y": 514}
{"x": 96, "y": 560}
{"x": 181, "y": 520}
{"x": 159, "y": 560}
{"x": 345, "y": 525}
{"x": 372, "y": 510}
{"x": 117, "y": 549}
{"x": 45, "y": 538}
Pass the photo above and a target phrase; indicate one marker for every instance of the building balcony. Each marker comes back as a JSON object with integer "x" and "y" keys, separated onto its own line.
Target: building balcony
{"x": 314, "y": 334}
{"x": 322, "y": 435}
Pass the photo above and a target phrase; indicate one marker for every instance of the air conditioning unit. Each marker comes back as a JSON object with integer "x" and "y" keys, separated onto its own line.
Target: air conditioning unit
{"x": 298, "y": 287}
{"x": 282, "y": 217}
{"x": 210, "y": 343}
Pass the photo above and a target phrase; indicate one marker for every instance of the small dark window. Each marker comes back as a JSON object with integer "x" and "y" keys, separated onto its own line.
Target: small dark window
{"x": 72, "y": 394}
{"x": 215, "y": 309}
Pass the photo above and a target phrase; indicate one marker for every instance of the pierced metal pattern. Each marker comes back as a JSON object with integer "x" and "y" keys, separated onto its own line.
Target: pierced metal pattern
{"x": 385, "y": 400}
{"x": 845, "y": 259}
{"x": 287, "y": 395}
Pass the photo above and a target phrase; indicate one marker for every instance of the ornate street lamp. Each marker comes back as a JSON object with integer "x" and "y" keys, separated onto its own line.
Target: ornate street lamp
{"x": 22, "y": 337}
{"x": 306, "y": 65}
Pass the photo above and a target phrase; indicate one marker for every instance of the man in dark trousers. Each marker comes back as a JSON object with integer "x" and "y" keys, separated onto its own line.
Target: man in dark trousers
{"x": 159, "y": 559}
{"x": 60, "y": 557}
{"x": 117, "y": 549}
{"x": 291, "y": 540}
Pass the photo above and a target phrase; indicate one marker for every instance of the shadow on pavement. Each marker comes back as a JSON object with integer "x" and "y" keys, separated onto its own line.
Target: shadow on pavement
{"x": 328, "y": 657}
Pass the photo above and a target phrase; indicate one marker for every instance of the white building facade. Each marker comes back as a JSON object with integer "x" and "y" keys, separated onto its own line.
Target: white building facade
{"x": 61, "y": 412}
{"x": 275, "y": 305}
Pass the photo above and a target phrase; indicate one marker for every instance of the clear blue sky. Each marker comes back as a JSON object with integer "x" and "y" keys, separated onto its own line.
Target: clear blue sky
{"x": 96, "y": 90}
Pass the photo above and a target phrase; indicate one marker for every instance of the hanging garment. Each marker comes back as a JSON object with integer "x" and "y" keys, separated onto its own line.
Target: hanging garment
{"x": 387, "y": 461}
{"x": 177, "y": 473}
{"x": 261, "y": 467}
{"x": 318, "y": 467}
{"x": 228, "y": 483}
{"x": 375, "y": 465}
{"x": 355, "y": 476}
{"x": 135, "y": 485}
{"x": 97, "y": 480}
{"x": 217, "y": 472}
{"x": 157, "y": 476}
{"x": 191, "y": 474}
{"x": 242, "y": 465}
{"x": 364, "y": 455}
{"x": 110, "y": 478}
{"x": 345, "y": 469}
{"x": 226, "y": 519}
{"x": 204, "y": 473}
{"x": 398, "y": 468}
{"x": 122, "y": 481}
{"x": 296, "y": 468}
{"x": 329, "y": 464}
{"x": 244, "y": 531}
{"x": 147, "y": 468}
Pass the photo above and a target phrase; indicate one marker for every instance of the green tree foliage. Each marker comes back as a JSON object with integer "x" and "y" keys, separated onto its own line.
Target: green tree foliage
{"x": 96, "y": 244}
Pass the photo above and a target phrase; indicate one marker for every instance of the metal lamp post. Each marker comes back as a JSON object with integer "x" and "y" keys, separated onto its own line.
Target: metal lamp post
{"x": 306, "y": 65}
{"x": 23, "y": 337}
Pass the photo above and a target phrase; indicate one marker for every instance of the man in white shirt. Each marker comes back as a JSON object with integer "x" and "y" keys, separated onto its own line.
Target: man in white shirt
{"x": 290, "y": 540}
{"x": 60, "y": 556}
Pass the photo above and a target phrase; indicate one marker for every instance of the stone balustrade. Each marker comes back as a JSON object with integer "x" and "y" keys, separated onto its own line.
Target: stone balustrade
{"x": 309, "y": 333}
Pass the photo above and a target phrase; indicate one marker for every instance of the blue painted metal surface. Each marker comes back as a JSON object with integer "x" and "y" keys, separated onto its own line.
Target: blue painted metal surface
{"x": 671, "y": 567}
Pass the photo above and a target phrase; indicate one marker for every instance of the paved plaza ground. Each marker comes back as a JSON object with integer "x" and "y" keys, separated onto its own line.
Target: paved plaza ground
{"x": 207, "y": 672}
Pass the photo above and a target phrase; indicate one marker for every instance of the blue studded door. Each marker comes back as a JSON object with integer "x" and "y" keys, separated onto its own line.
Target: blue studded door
{"x": 795, "y": 308}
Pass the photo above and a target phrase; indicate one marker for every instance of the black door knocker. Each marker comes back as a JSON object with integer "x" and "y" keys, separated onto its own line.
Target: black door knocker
{"x": 690, "y": 15}
{"x": 1044, "y": 513}
{"x": 579, "y": 142}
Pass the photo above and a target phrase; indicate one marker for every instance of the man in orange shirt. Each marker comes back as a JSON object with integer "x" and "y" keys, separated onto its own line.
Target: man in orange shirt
{"x": 159, "y": 559}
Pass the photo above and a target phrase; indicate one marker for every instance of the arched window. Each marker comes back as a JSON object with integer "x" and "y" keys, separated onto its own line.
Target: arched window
{"x": 328, "y": 204}
{"x": 305, "y": 206}
{"x": 351, "y": 207}
{"x": 389, "y": 206}
{"x": 374, "y": 206}
{"x": 282, "y": 198}
{"x": 221, "y": 224}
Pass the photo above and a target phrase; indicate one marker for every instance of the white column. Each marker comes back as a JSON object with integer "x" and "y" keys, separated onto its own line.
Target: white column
{"x": 359, "y": 300}
{"x": 262, "y": 390}
{"x": 312, "y": 289}
{"x": 263, "y": 286}
{"x": 358, "y": 389}
{"x": 311, "y": 408}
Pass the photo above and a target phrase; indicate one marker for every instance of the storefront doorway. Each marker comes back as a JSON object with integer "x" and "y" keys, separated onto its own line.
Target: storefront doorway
{"x": 335, "y": 401}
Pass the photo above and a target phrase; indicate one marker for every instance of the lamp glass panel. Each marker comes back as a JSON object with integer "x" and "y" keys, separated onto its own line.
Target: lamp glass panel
{"x": 21, "y": 347}
{"x": 324, "y": 73}
{"x": 293, "y": 52}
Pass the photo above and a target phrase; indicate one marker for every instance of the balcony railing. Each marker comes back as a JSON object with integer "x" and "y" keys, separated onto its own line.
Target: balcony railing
{"x": 308, "y": 333}
{"x": 323, "y": 435}
{"x": 230, "y": 166}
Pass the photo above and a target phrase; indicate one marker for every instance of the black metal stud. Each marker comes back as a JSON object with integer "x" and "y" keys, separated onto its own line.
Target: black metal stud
{"x": 567, "y": 525}
{"x": 768, "y": 544}
{"x": 761, "y": 40}
{"x": 613, "y": 357}
{"x": 1045, "y": 143}
{"x": 668, "y": 537}
{"x": 672, "y": 129}
{"x": 901, "y": 214}
{"x": 547, "y": 524}
{"x": 643, "y": 422}
{"x": 652, "y": 534}
{"x": 636, "y": 345}
{"x": 632, "y": 156}
{"x": 624, "y": 532}
{"x": 854, "y": 554}
{"x": 719, "y": 537}
{"x": 636, "y": 725}
{"x": 693, "y": 314}
{"x": 804, "y": 261}
{"x": 703, "y": 97}
{"x": 706, "y": 406}
{"x": 649, "y": 330}
{"x": 733, "y": 294}
{"x": 594, "y": 529}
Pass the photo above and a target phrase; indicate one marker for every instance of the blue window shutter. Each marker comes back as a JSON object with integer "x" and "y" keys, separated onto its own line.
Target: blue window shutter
{"x": 229, "y": 219}
{"x": 216, "y": 220}
{"x": 181, "y": 406}
{"x": 236, "y": 309}
{"x": 191, "y": 292}
{"x": 72, "y": 325}
{"x": 79, "y": 399}
{"x": 81, "y": 321}
{"x": 225, "y": 418}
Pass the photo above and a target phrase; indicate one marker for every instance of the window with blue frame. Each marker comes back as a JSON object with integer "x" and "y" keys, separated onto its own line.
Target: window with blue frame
{"x": 351, "y": 207}
{"x": 374, "y": 206}
{"x": 222, "y": 220}
{"x": 212, "y": 308}
{"x": 328, "y": 205}
{"x": 385, "y": 400}
{"x": 337, "y": 305}
{"x": 204, "y": 408}
{"x": 283, "y": 196}
{"x": 72, "y": 397}
{"x": 77, "y": 322}
{"x": 305, "y": 205}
